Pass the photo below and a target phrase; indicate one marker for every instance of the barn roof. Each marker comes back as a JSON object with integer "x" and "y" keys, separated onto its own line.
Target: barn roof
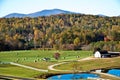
{"x": 114, "y": 53}
{"x": 103, "y": 52}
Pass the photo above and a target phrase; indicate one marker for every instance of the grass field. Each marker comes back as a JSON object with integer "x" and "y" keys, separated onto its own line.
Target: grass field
{"x": 88, "y": 65}
{"x": 32, "y": 55}
{"x": 28, "y": 58}
{"x": 10, "y": 70}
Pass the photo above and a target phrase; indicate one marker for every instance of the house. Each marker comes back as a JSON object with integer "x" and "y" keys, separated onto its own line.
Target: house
{"x": 105, "y": 54}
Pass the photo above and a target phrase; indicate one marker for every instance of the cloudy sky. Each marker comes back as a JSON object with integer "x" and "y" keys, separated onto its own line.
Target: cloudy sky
{"x": 105, "y": 7}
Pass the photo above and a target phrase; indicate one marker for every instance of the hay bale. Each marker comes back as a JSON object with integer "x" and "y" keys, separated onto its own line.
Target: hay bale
{"x": 35, "y": 60}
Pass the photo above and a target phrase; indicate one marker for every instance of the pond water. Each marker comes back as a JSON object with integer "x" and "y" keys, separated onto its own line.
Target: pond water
{"x": 73, "y": 76}
{"x": 115, "y": 72}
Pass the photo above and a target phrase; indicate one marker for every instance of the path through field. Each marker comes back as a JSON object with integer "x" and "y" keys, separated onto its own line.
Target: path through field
{"x": 16, "y": 64}
{"x": 51, "y": 67}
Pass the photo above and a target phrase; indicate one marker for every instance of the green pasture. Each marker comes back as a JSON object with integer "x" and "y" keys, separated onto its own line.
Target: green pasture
{"x": 32, "y": 55}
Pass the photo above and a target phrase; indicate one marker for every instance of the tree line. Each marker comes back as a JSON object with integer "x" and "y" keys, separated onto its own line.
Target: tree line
{"x": 63, "y": 31}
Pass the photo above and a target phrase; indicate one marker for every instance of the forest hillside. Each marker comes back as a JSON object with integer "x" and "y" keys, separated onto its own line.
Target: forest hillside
{"x": 60, "y": 32}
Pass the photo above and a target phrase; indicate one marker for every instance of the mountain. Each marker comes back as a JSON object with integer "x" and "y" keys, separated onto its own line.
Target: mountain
{"x": 15, "y": 15}
{"x": 39, "y": 13}
{"x": 49, "y": 12}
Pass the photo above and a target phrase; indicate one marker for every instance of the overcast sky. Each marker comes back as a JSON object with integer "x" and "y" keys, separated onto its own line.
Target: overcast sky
{"x": 105, "y": 7}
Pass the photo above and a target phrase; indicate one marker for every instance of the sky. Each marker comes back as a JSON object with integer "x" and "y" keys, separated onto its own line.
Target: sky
{"x": 105, "y": 7}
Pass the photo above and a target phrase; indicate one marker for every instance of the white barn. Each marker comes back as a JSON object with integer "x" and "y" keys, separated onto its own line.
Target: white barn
{"x": 97, "y": 54}
{"x": 101, "y": 54}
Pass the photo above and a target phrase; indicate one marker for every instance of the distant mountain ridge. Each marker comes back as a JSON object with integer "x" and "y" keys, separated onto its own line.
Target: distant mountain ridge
{"x": 46, "y": 12}
{"x": 39, "y": 13}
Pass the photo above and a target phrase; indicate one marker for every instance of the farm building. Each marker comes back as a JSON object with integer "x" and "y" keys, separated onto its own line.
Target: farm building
{"x": 105, "y": 54}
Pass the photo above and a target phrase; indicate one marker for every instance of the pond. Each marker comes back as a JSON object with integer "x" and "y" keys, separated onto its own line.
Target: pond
{"x": 113, "y": 71}
{"x": 74, "y": 76}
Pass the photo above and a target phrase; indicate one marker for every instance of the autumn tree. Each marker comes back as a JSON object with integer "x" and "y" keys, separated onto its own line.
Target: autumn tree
{"x": 56, "y": 55}
{"x": 77, "y": 42}
{"x": 36, "y": 37}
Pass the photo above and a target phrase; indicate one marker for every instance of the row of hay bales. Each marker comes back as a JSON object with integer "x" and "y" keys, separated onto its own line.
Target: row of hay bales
{"x": 1, "y": 62}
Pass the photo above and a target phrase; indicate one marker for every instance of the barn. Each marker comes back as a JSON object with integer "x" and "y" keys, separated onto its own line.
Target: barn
{"x": 105, "y": 54}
